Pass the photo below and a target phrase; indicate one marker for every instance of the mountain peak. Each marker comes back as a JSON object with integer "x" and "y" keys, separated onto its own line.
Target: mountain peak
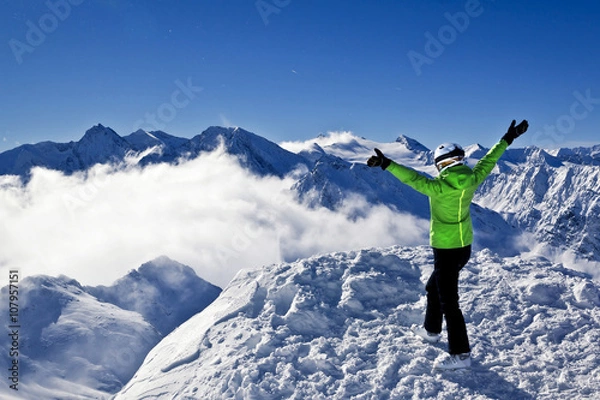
{"x": 166, "y": 270}
{"x": 475, "y": 151}
{"x": 411, "y": 144}
{"x": 100, "y": 144}
{"x": 579, "y": 155}
{"x": 227, "y": 132}
{"x": 99, "y": 131}
{"x": 50, "y": 282}
{"x": 142, "y": 133}
{"x": 175, "y": 286}
{"x": 255, "y": 152}
{"x": 71, "y": 340}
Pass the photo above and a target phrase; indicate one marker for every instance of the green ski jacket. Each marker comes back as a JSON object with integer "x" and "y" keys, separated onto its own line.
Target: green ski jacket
{"x": 450, "y": 195}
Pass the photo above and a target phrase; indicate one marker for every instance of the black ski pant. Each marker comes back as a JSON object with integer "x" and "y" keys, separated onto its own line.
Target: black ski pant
{"x": 442, "y": 297}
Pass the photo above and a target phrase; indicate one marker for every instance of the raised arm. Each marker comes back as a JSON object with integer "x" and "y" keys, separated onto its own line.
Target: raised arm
{"x": 409, "y": 176}
{"x": 484, "y": 167}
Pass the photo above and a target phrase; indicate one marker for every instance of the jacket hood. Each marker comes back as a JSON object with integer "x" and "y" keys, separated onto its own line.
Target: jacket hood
{"x": 459, "y": 176}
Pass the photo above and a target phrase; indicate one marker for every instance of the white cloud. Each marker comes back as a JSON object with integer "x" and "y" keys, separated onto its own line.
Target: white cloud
{"x": 208, "y": 213}
{"x": 329, "y": 139}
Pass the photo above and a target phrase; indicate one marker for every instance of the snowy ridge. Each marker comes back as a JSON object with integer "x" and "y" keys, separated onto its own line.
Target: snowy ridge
{"x": 99, "y": 145}
{"x": 579, "y": 155}
{"x": 141, "y": 140}
{"x": 556, "y": 201}
{"x": 336, "y": 326}
{"x": 256, "y": 153}
{"x": 163, "y": 291}
{"x": 74, "y": 345}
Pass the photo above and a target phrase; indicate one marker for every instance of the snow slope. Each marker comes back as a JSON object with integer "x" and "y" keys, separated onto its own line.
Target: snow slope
{"x": 141, "y": 140}
{"x": 256, "y": 153}
{"x": 336, "y": 326}
{"x": 80, "y": 342}
{"x": 70, "y": 343}
{"x": 165, "y": 292}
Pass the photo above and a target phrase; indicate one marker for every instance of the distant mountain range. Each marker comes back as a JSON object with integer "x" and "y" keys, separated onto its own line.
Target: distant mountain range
{"x": 551, "y": 195}
{"x": 101, "y": 144}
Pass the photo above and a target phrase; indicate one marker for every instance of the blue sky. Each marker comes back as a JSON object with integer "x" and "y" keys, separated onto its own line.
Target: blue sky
{"x": 292, "y": 69}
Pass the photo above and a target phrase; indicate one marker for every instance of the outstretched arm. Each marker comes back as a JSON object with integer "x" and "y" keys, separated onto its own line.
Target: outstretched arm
{"x": 409, "y": 176}
{"x": 484, "y": 167}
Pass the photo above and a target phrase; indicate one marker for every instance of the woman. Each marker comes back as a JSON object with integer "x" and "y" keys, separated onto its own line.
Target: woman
{"x": 451, "y": 235}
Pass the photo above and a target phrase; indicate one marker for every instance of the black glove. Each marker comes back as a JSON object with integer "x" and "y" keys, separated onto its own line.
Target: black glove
{"x": 515, "y": 131}
{"x": 379, "y": 160}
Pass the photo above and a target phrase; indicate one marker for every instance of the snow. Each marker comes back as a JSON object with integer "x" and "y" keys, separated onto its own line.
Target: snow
{"x": 87, "y": 342}
{"x": 70, "y": 341}
{"x": 256, "y": 153}
{"x": 163, "y": 291}
{"x": 334, "y": 325}
{"x": 337, "y": 326}
{"x": 141, "y": 140}
{"x": 547, "y": 197}
{"x": 355, "y": 149}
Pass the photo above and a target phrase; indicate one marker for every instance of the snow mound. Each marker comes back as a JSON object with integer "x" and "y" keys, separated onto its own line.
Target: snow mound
{"x": 337, "y": 326}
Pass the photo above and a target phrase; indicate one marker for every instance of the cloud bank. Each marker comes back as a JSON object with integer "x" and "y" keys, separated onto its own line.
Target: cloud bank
{"x": 208, "y": 213}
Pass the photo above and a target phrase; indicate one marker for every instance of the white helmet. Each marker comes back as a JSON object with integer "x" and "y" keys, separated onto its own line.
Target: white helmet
{"x": 448, "y": 155}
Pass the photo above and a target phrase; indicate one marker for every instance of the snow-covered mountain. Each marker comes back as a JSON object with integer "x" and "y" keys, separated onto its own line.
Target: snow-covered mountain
{"x": 256, "y": 153}
{"x": 556, "y": 200}
{"x": 542, "y": 200}
{"x": 141, "y": 140}
{"x": 99, "y": 145}
{"x": 80, "y": 342}
{"x": 336, "y": 326}
{"x": 545, "y": 201}
{"x": 332, "y": 326}
{"x": 163, "y": 291}
{"x": 579, "y": 155}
